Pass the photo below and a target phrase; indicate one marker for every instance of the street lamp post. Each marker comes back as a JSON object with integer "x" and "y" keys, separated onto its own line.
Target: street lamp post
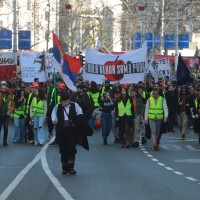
{"x": 15, "y": 31}
{"x": 69, "y": 7}
{"x": 176, "y": 50}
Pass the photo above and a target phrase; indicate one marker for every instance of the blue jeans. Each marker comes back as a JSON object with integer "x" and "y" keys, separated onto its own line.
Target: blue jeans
{"x": 106, "y": 120}
{"x": 19, "y": 129}
{"x": 38, "y": 129}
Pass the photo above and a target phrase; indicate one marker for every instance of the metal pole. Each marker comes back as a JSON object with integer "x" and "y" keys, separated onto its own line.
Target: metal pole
{"x": 176, "y": 51}
{"x": 15, "y": 31}
{"x": 143, "y": 23}
{"x": 80, "y": 33}
{"x": 162, "y": 26}
{"x": 48, "y": 23}
{"x": 71, "y": 33}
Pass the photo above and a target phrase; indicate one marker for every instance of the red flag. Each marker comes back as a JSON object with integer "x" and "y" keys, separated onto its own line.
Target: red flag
{"x": 73, "y": 63}
{"x": 58, "y": 51}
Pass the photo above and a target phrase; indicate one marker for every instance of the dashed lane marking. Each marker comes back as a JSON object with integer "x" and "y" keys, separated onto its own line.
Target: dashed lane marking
{"x": 166, "y": 167}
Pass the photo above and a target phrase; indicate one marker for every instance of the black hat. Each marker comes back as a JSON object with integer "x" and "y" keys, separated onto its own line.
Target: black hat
{"x": 81, "y": 86}
{"x": 64, "y": 96}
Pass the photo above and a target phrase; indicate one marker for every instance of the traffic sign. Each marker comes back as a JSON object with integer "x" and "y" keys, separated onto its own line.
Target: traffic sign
{"x": 24, "y": 39}
{"x": 169, "y": 41}
{"x": 136, "y": 41}
{"x": 5, "y": 39}
{"x": 183, "y": 41}
{"x": 148, "y": 39}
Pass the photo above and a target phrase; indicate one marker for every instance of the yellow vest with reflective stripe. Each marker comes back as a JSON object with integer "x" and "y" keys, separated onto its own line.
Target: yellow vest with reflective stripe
{"x": 38, "y": 107}
{"x": 28, "y": 102}
{"x": 95, "y": 97}
{"x": 196, "y": 106}
{"x": 124, "y": 110}
{"x": 155, "y": 110}
{"x": 19, "y": 111}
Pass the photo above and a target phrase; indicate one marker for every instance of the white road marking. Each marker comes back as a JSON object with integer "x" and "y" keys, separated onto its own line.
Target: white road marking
{"x": 41, "y": 155}
{"x": 190, "y": 147}
{"x": 53, "y": 179}
{"x": 20, "y": 176}
{"x": 191, "y": 179}
{"x": 169, "y": 168}
{"x": 179, "y": 173}
{"x": 161, "y": 164}
{"x": 154, "y": 159}
{"x": 188, "y": 161}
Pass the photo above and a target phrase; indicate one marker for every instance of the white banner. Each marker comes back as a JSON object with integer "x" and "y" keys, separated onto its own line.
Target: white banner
{"x": 32, "y": 66}
{"x": 126, "y": 68}
{"x": 162, "y": 66}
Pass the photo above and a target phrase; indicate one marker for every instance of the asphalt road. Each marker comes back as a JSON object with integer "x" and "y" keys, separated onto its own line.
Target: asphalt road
{"x": 109, "y": 172}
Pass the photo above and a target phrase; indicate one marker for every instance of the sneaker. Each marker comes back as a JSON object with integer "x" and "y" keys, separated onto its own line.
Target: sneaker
{"x": 135, "y": 144}
{"x": 49, "y": 136}
{"x": 105, "y": 142}
{"x": 155, "y": 146}
{"x": 30, "y": 141}
{"x": 35, "y": 143}
{"x": 72, "y": 171}
{"x": 183, "y": 136}
{"x": 15, "y": 141}
{"x": 5, "y": 144}
{"x": 54, "y": 143}
{"x": 144, "y": 141}
{"x": 116, "y": 141}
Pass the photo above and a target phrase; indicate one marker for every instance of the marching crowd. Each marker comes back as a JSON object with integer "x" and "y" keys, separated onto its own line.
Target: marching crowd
{"x": 134, "y": 112}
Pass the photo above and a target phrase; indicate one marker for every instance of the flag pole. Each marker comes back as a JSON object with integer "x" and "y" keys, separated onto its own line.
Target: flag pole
{"x": 54, "y": 83}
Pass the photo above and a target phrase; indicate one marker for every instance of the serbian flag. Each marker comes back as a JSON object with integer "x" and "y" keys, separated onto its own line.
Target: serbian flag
{"x": 70, "y": 69}
{"x": 58, "y": 51}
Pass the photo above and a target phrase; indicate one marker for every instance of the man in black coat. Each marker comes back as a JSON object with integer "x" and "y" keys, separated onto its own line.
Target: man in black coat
{"x": 66, "y": 116}
{"x": 172, "y": 101}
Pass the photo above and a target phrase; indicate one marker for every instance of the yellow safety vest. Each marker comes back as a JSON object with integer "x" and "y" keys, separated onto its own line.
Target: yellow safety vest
{"x": 19, "y": 111}
{"x": 196, "y": 104}
{"x": 28, "y": 102}
{"x": 38, "y": 107}
{"x": 95, "y": 97}
{"x": 155, "y": 110}
{"x": 124, "y": 110}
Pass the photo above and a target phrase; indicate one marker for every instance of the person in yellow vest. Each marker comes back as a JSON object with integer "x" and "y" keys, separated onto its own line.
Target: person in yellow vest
{"x": 19, "y": 117}
{"x": 93, "y": 92}
{"x": 7, "y": 107}
{"x": 38, "y": 111}
{"x": 196, "y": 115}
{"x": 155, "y": 112}
{"x": 124, "y": 114}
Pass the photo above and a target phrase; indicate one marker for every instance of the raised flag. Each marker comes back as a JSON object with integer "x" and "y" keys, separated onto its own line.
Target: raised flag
{"x": 183, "y": 75}
{"x": 58, "y": 51}
{"x": 70, "y": 69}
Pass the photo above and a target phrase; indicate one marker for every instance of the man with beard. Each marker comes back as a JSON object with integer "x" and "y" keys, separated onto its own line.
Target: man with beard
{"x": 172, "y": 101}
{"x": 84, "y": 101}
{"x": 7, "y": 107}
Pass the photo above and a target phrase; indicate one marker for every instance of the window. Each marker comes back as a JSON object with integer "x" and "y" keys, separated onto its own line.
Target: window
{"x": 46, "y": 15}
{"x": 28, "y": 25}
{"x": 28, "y": 4}
{"x": 1, "y": 3}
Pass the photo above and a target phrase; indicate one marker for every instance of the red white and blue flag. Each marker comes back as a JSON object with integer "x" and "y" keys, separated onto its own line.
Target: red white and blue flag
{"x": 70, "y": 65}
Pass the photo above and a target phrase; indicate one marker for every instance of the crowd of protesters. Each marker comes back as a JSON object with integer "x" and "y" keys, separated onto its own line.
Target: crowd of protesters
{"x": 134, "y": 112}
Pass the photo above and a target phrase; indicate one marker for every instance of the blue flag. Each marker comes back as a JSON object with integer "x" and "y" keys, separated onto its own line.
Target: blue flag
{"x": 183, "y": 75}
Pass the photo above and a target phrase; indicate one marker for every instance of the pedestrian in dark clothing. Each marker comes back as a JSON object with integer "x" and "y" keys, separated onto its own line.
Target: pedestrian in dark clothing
{"x": 172, "y": 101}
{"x": 196, "y": 115}
{"x": 64, "y": 115}
{"x": 107, "y": 106}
